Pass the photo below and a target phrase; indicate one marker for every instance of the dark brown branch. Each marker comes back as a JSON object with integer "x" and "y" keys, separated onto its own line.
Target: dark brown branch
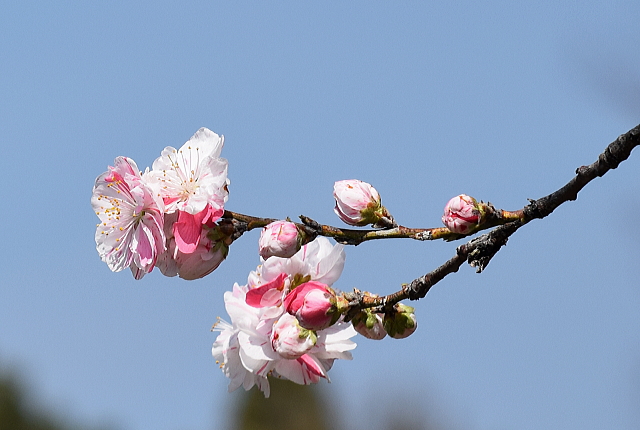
{"x": 613, "y": 155}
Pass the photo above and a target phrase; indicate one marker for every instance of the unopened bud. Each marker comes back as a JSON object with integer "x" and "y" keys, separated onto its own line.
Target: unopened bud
{"x": 359, "y": 204}
{"x": 401, "y": 322}
{"x": 315, "y": 305}
{"x": 289, "y": 339}
{"x": 369, "y": 324}
{"x": 463, "y": 214}
{"x": 280, "y": 239}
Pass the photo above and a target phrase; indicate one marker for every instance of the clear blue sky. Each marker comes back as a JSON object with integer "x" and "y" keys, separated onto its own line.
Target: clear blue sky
{"x": 425, "y": 100}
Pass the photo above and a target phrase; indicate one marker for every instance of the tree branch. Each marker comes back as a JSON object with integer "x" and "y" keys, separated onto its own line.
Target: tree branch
{"x": 479, "y": 251}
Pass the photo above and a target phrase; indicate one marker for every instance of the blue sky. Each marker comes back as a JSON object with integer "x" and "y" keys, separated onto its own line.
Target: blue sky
{"x": 499, "y": 100}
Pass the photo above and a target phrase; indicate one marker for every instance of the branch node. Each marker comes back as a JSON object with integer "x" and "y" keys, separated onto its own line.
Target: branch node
{"x": 423, "y": 235}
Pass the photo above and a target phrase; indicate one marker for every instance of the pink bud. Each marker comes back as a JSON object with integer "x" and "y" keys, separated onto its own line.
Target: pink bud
{"x": 314, "y": 304}
{"x": 462, "y": 214}
{"x": 289, "y": 339}
{"x": 279, "y": 239}
{"x": 401, "y": 323}
{"x": 369, "y": 324}
{"x": 358, "y": 203}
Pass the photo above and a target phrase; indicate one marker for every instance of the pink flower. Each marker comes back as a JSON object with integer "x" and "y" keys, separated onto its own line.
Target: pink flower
{"x": 358, "y": 203}
{"x": 193, "y": 181}
{"x": 130, "y": 233}
{"x": 314, "y": 304}
{"x": 289, "y": 339}
{"x": 204, "y": 259}
{"x": 462, "y": 214}
{"x": 279, "y": 239}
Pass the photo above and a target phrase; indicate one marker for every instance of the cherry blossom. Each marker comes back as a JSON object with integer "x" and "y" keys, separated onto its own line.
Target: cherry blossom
{"x": 193, "y": 181}
{"x": 245, "y": 349}
{"x": 318, "y": 260}
{"x": 130, "y": 233}
{"x": 226, "y": 348}
{"x": 289, "y": 339}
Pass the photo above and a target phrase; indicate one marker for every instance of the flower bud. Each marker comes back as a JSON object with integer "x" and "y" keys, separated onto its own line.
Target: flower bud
{"x": 401, "y": 322}
{"x": 369, "y": 324}
{"x": 289, "y": 339}
{"x": 280, "y": 239}
{"x": 462, "y": 214}
{"x": 315, "y": 305}
{"x": 358, "y": 203}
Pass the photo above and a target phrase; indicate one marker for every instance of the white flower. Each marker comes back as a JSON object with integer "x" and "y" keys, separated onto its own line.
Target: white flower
{"x": 274, "y": 278}
{"x": 226, "y": 349}
{"x": 192, "y": 181}
{"x": 194, "y": 176}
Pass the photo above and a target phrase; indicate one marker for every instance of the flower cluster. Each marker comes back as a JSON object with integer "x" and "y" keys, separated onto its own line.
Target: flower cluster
{"x": 166, "y": 216}
{"x": 285, "y": 322}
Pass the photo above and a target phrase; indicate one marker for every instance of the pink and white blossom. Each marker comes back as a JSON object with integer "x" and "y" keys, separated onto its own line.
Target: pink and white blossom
{"x": 130, "y": 233}
{"x": 358, "y": 203}
{"x": 193, "y": 181}
{"x": 279, "y": 239}
{"x": 462, "y": 214}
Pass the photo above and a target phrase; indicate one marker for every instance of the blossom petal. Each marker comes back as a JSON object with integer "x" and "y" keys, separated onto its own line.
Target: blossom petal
{"x": 187, "y": 232}
{"x": 267, "y": 294}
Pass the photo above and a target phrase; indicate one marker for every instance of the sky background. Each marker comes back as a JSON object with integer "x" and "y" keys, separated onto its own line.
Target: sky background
{"x": 500, "y": 100}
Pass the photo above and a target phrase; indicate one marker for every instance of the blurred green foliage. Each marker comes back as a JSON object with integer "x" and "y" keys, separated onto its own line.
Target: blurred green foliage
{"x": 290, "y": 406}
{"x": 17, "y": 414}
